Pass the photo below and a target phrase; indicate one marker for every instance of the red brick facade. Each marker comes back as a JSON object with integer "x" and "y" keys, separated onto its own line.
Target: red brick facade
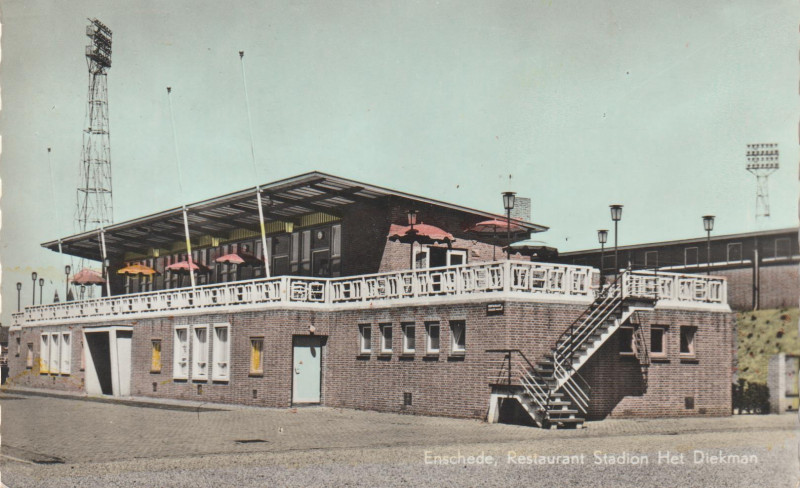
{"x": 444, "y": 384}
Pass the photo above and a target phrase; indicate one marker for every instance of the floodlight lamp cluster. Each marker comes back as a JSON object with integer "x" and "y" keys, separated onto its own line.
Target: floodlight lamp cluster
{"x": 762, "y": 157}
{"x": 99, "y": 51}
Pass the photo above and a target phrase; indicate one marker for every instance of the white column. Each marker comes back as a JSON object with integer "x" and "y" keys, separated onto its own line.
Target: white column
{"x": 188, "y": 246}
{"x": 105, "y": 269}
{"x": 264, "y": 249}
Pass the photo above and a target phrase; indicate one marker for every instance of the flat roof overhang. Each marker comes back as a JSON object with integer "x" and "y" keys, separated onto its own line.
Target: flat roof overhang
{"x": 282, "y": 201}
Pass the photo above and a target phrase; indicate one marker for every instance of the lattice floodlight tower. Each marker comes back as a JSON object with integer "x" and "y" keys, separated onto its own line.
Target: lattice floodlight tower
{"x": 762, "y": 161}
{"x": 95, "y": 207}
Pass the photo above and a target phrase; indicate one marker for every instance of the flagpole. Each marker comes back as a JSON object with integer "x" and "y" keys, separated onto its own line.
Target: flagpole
{"x": 255, "y": 172}
{"x": 180, "y": 187}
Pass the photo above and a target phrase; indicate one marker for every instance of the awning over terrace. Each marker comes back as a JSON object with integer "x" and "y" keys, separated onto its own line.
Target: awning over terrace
{"x": 283, "y": 201}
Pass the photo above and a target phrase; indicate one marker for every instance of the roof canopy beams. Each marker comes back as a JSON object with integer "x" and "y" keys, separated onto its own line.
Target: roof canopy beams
{"x": 286, "y": 200}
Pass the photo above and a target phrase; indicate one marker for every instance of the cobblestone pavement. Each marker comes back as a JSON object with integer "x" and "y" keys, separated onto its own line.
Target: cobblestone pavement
{"x": 51, "y": 441}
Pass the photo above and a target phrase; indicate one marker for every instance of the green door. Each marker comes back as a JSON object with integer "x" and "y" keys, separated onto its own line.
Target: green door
{"x": 307, "y": 371}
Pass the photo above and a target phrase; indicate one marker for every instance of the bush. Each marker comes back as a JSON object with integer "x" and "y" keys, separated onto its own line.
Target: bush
{"x": 750, "y": 397}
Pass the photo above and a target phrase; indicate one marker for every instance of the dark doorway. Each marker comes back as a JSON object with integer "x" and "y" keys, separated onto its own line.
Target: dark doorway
{"x": 101, "y": 357}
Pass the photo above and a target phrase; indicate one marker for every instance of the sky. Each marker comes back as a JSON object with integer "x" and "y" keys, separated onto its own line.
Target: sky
{"x": 576, "y": 105}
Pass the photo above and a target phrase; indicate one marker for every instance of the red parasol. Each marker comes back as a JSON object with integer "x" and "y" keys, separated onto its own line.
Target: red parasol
{"x": 239, "y": 258}
{"x": 494, "y": 226}
{"x": 88, "y": 276}
{"x": 491, "y": 228}
{"x": 421, "y": 233}
{"x": 184, "y": 267}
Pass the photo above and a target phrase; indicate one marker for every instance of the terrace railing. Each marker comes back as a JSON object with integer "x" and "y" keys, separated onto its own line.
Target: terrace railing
{"x": 517, "y": 278}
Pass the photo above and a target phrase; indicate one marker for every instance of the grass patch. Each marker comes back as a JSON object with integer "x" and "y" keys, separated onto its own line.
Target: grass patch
{"x": 763, "y": 333}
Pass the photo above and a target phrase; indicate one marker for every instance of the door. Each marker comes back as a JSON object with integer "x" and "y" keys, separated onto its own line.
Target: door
{"x": 123, "y": 366}
{"x": 307, "y": 369}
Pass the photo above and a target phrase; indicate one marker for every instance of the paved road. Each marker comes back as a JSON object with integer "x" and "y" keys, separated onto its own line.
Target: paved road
{"x": 59, "y": 442}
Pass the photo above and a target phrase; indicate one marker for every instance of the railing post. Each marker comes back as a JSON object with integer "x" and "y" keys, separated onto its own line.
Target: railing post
{"x": 506, "y": 276}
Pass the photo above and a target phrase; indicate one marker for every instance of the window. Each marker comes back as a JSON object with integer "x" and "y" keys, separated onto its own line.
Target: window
{"x": 409, "y": 341}
{"x": 29, "y": 356}
{"x": 651, "y": 259}
{"x": 18, "y": 347}
{"x": 200, "y": 352}
{"x": 458, "y": 337}
{"x": 783, "y": 248}
{"x": 44, "y": 353}
{"x": 608, "y": 263}
{"x": 180, "y": 366}
{"x": 456, "y": 257}
{"x": 55, "y": 350}
{"x": 66, "y": 352}
{"x": 690, "y": 256}
{"x": 432, "y": 338}
{"x": 421, "y": 258}
{"x": 386, "y": 338}
{"x": 365, "y": 338}
{"x": 657, "y": 341}
{"x": 256, "y": 355}
{"x": 734, "y": 252}
{"x": 687, "y": 340}
{"x": 221, "y": 369}
{"x": 626, "y": 346}
{"x": 155, "y": 356}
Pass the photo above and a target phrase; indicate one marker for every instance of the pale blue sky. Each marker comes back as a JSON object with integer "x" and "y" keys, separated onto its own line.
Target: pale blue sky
{"x": 649, "y": 104}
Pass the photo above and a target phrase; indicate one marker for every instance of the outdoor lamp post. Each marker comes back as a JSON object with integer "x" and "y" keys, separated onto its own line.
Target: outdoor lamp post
{"x": 19, "y": 288}
{"x": 33, "y": 278}
{"x": 412, "y": 218}
{"x": 616, "y": 216}
{"x": 41, "y": 288}
{"x": 67, "y": 270}
{"x": 508, "y": 204}
{"x": 412, "y": 221}
{"x": 708, "y": 225}
{"x": 602, "y": 237}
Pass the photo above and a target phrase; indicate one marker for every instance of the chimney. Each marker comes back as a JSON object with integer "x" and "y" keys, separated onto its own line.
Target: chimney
{"x": 522, "y": 209}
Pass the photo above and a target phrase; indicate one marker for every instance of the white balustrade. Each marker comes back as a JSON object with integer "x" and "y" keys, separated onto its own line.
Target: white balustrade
{"x": 519, "y": 278}
{"x": 676, "y": 287}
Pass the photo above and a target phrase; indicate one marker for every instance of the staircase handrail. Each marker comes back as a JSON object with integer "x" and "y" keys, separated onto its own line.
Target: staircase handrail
{"x": 576, "y": 334}
{"x": 529, "y": 370}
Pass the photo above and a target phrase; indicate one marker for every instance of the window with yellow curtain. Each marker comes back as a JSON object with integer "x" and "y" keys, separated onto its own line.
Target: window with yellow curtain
{"x": 155, "y": 356}
{"x": 256, "y": 355}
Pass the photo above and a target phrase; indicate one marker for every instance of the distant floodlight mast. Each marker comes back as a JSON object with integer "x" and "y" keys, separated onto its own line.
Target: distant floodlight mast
{"x": 762, "y": 161}
{"x": 94, "y": 202}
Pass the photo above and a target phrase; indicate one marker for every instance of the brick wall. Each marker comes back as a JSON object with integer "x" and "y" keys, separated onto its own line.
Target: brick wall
{"x": 20, "y": 374}
{"x": 443, "y": 384}
{"x": 619, "y": 389}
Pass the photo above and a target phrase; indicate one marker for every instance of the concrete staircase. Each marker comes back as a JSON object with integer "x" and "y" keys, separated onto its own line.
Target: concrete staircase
{"x": 552, "y": 391}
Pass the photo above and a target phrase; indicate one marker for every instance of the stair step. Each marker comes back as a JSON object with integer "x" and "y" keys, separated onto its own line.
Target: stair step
{"x": 576, "y": 420}
{"x": 562, "y": 412}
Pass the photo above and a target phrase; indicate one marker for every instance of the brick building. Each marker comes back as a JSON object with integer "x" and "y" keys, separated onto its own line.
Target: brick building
{"x": 761, "y": 267}
{"x": 349, "y": 318}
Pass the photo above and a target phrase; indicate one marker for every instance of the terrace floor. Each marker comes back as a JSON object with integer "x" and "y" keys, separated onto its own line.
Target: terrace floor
{"x": 67, "y": 441}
